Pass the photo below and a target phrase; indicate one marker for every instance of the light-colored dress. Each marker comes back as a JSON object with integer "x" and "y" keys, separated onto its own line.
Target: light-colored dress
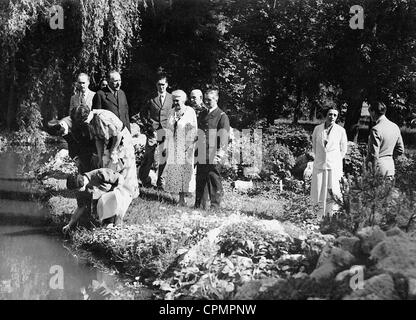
{"x": 179, "y": 173}
{"x": 329, "y": 150}
{"x": 105, "y": 125}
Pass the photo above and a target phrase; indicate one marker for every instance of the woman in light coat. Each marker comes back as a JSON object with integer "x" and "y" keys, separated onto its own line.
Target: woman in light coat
{"x": 329, "y": 145}
{"x": 179, "y": 173}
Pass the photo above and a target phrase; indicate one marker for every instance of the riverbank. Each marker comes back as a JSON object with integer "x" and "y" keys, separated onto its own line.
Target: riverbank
{"x": 262, "y": 244}
{"x": 174, "y": 248}
{"x": 32, "y": 249}
{"x": 258, "y": 246}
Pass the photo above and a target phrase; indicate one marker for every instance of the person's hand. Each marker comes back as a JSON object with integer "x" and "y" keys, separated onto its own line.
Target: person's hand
{"x": 65, "y": 229}
{"x": 219, "y": 156}
{"x": 217, "y": 159}
{"x": 100, "y": 162}
{"x": 151, "y": 141}
{"x": 114, "y": 157}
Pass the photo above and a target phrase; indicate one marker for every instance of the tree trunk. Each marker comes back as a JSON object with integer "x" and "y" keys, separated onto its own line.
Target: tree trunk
{"x": 3, "y": 103}
{"x": 269, "y": 106}
{"x": 297, "y": 112}
{"x": 352, "y": 118}
{"x": 11, "y": 104}
{"x": 312, "y": 111}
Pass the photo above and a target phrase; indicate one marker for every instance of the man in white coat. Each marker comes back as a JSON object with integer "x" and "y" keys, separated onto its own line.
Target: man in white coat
{"x": 329, "y": 145}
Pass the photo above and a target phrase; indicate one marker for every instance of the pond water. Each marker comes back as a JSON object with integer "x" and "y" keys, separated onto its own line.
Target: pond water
{"x": 35, "y": 261}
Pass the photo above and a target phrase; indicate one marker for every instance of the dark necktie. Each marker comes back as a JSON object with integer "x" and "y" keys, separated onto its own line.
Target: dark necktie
{"x": 116, "y": 96}
{"x": 82, "y": 99}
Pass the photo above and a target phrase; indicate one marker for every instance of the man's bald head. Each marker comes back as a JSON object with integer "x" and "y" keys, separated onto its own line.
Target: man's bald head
{"x": 196, "y": 98}
{"x": 114, "y": 80}
{"x": 83, "y": 81}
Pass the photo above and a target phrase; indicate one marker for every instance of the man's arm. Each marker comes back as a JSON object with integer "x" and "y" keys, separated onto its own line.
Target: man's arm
{"x": 144, "y": 113}
{"x": 344, "y": 143}
{"x": 399, "y": 147}
{"x": 96, "y": 101}
{"x": 373, "y": 149}
{"x": 223, "y": 134}
{"x": 314, "y": 141}
{"x": 72, "y": 104}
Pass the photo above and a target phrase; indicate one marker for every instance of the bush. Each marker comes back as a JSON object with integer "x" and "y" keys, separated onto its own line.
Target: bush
{"x": 370, "y": 200}
{"x": 354, "y": 160}
{"x": 29, "y": 120}
{"x": 304, "y": 288}
{"x": 294, "y": 137}
{"x": 251, "y": 241}
{"x": 278, "y": 160}
{"x": 406, "y": 173}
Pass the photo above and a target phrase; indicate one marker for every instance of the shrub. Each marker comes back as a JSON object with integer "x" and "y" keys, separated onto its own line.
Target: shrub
{"x": 294, "y": 137}
{"x": 304, "y": 288}
{"x": 370, "y": 200}
{"x": 354, "y": 160}
{"x": 278, "y": 160}
{"x": 29, "y": 120}
{"x": 248, "y": 240}
{"x": 406, "y": 172}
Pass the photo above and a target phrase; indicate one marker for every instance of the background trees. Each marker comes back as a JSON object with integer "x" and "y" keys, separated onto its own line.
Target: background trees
{"x": 270, "y": 59}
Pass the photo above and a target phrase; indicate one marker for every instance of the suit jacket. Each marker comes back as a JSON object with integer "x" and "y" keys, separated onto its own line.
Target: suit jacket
{"x": 329, "y": 156}
{"x": 215, "y": 126}
{"x": 156, "y": 114}
{"x": 105, "y": 99}
{"x": 384, "y": 141}
{"x": 76, "y": 99}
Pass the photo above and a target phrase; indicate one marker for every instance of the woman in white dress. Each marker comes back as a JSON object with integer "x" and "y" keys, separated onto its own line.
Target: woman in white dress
{"x": 179, "y": 172}
{"x": 329, "y": 145}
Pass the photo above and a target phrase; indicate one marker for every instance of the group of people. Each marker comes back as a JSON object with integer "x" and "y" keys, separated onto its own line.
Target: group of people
{"x": 99, "y": 140}
{"x": 181, "y": 134}
{"x": 329, "y": 146}
{"x": 186, "y": 140}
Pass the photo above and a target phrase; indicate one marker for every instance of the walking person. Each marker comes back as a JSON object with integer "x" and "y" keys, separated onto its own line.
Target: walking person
{"x": 329, "y": 146}
{"x": 179, "y": 173}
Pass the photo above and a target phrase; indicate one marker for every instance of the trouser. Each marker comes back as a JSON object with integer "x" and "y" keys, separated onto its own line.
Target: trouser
{"x": 324, "y": 186}
{"x": 84, "y": 152}
{"x": 149, "y": 160}
{"x": 208, "y": 184}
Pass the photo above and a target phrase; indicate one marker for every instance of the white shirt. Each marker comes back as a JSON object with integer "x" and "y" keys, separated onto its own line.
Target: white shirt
{"x": 162, "y": 97}
{"x": 76, "y": 99}
{"x": 210, "y": 110}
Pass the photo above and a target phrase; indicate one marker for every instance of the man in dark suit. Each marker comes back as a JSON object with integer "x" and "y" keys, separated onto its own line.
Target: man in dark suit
{"x": 213, "y": 135}
{"x": 112, "y": 98}
{"x": 155, "y": 114}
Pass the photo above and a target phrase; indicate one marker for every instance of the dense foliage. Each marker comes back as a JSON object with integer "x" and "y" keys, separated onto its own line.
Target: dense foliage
{"x": 270, "y": 59}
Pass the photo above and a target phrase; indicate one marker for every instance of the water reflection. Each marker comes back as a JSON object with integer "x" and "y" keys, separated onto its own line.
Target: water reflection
{"x": 27, "y": 259}
{"x": 31, "y": 257}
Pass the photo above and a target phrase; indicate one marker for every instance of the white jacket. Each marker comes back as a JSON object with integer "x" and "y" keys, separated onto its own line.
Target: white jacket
{"x": 331, "y": 155}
